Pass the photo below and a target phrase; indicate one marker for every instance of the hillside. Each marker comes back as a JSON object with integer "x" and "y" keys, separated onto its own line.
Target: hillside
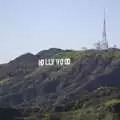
{"x": 85, "y": 86}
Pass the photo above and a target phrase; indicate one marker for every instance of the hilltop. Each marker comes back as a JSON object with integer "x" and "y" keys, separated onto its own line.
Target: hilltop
{"x": 92, "y": 73}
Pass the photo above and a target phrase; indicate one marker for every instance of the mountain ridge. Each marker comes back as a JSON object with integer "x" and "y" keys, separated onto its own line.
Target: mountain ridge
{"x": 91, "y": 83}
{"x": 35, "y": 85}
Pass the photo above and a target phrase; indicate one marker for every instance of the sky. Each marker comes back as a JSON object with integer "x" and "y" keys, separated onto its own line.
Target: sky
{"x": 35, "y": 25}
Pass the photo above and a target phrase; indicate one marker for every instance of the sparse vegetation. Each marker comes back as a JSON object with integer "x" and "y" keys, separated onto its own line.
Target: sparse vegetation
{"x": 88, "y": 89}
{"x": 112, "y": 102}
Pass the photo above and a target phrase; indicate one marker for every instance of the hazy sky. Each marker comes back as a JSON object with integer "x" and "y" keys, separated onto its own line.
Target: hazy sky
{"x": 34, "y": 25}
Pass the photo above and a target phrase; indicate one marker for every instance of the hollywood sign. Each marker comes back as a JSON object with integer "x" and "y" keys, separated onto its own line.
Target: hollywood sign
{"x": 51, "y": 62}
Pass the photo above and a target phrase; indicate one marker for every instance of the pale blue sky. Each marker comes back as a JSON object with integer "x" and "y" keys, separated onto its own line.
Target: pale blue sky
{"x": 34, "y": 25}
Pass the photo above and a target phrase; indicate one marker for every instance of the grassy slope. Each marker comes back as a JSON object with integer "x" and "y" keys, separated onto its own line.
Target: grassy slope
{"x": 92, "y": 108}
{"x": 90, "y": 113}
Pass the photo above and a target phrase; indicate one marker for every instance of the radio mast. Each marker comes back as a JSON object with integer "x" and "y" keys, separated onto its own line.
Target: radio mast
{"x": 104, "y": 41}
